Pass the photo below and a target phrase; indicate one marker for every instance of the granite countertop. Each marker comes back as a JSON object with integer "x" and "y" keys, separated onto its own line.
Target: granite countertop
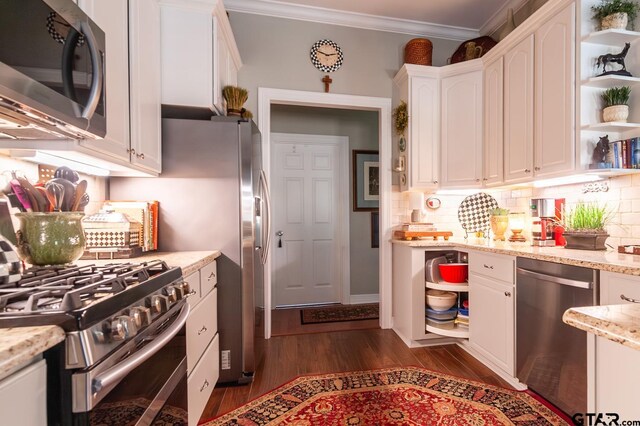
{"x": 619, "y": 323}
{"x": 20, "y": 344}
{"x": 607, "y": 260}
{"x": 189, "y": 261}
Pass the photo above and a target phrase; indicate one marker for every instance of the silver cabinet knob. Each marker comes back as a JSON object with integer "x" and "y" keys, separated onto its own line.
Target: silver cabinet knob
{"x": 536, "y": 168}
{"x": 527, "y": 171}
{"x": 485, "y": 179}
{"x": 123, "y": 327}
{"x": 507, "y": 293}
{"x": 435, "y": 182}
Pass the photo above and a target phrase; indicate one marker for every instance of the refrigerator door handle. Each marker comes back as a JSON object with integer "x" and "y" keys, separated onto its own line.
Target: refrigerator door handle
{"x": 267, "y": 217}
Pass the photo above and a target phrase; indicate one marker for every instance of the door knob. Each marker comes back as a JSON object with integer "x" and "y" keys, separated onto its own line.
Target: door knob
{"x": 279, "y": 234}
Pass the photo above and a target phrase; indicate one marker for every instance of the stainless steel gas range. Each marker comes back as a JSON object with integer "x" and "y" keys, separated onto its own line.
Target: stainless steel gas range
{"x": 124, "y": 357}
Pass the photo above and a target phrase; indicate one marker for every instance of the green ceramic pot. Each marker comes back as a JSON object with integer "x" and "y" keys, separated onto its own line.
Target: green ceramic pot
{"x": 50, "y": 238}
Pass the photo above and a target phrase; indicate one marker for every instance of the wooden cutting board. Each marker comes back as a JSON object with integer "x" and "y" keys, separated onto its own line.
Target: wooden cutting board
{"x": 409, "y": 235}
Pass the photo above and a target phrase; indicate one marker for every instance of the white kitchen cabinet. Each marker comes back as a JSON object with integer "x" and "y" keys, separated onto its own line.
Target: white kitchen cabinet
{"x": 203, "y": 357}
{"x": 492, "y": 309}
{"x": 419, "y": 87}
{"x": 199, "y": 53}
{"x": 23, "y": 396}
{"x": 518, "y": 111}
{"x": 493, "y": 143}
{"x": 617, "y": 366}
{"x": 144, "y": 59}
{"x": 555, "y": 73}
{"x": 461, "y": 130}
{"x": 132, "y": 83}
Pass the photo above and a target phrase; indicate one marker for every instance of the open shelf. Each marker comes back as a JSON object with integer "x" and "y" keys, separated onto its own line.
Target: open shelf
{"x": 456, "y": 331}
{"x": 608, "y": 81}
{"x": 611, "y": 172}
{"x": 613, "y": 126}
{"x": 612, "y": 37}
{"x": 443, "y": 285}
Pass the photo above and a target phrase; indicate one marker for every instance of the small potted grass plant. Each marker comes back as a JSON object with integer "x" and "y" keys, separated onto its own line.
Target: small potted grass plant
{"x": 499, "y": 220}
{"x": 585, "y": 227}
{"x": 615, "y": 14}
{"x": 235, "y": 97}
{"x": 616, "y": 104}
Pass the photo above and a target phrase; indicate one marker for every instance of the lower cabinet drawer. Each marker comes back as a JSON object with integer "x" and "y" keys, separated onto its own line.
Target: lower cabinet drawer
{"x": 208, "y": 277}
{"x": 202, "y": 380}
{"x": 202, "y": 325}
{"x": 194, "y": 285}
{"x": 23, "y": 396}
{"x": 498, "y": 266}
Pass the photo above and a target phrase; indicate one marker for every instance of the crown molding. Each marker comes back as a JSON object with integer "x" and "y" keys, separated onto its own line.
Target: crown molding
{"x": 500, "y": 17}
{"x": 280, "y": 9}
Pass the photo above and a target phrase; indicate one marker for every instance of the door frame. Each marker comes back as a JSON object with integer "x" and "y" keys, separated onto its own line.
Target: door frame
{"x": 268, "y": 96}
{"x": 342, "y": 239}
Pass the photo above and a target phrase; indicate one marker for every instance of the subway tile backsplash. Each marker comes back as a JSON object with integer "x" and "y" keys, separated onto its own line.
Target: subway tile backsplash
{"x": 622, "y": 199}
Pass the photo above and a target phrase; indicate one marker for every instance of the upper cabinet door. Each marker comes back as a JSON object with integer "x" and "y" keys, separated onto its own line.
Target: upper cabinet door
{"x": 518, "y": 112}
{"x": 144, "y": 33}
{"x": 112, "y": 16}
{"x": 555, "y": 95}
{"x": 493, "y": 123}
{"x": 424, "y": 126}
{"x": 462, "y": 131}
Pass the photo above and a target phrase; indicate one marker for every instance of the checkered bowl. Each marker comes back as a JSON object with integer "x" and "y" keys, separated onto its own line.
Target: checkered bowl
{"x": 10, "y": 264}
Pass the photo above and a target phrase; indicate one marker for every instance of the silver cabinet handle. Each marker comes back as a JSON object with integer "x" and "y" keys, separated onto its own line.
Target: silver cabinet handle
{"x": 507, "y": 293}
{"x": 140, "y": 156}
{"x": 204, "y": 385}
{"x": 553, "y": 279}
{"x": 628, "y": 299}
{"x": 191, "y": 293}
{"x": 435, "y": 181}
{"x": 527, "y": 170}
{"x": 211, "y": 275}
{"x": 536, "y": 168}
{"x": 487, "y": 266}
{"x": 202, "y": 330}
{"x": 96, "y": 65}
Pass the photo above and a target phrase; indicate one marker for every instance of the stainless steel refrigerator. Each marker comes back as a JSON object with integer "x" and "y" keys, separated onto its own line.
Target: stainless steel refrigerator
{"x": 213, "y": 195}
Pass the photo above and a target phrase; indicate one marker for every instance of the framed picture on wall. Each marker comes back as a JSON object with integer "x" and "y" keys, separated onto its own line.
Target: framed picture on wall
{"x": 375, "y": 230}
{"x": 366, "y": 180}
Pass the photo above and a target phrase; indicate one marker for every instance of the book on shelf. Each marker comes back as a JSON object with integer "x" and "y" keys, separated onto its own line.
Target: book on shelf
{"x": 624, "y": 154}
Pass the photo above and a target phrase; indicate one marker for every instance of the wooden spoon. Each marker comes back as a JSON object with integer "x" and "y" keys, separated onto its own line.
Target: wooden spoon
{"x": 81, "y": 189}
{"x": 39, "y": 202}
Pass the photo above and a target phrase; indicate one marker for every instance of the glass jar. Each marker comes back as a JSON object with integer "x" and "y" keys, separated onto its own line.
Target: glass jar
{"x": 53, "y": 238}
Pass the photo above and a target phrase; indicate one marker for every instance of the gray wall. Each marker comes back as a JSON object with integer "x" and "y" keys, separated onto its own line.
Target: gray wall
{"x": 362, "y": 129}
{"x": 275, "y": 54}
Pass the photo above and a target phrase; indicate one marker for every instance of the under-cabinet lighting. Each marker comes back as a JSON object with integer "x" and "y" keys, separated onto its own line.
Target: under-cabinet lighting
{"x": 457, "y": 191}
{"x": 47, "y": 158}
{"x": 566, "y": 180}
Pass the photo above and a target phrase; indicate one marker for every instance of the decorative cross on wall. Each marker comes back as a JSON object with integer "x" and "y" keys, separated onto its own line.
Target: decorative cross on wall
{"x": 327, "y": 81}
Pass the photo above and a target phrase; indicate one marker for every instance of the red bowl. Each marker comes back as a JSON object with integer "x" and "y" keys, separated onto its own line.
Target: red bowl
{"x": 454, "y": 272}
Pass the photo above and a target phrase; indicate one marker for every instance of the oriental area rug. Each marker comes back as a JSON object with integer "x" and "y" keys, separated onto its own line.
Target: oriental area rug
{"x": 339, "y": 313}
{"x": 395, "y": 396}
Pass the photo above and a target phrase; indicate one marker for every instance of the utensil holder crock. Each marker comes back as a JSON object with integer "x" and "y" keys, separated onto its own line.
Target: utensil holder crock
{"x": 53, "y": 238}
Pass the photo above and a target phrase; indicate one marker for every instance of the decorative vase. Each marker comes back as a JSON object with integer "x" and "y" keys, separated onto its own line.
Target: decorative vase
{"x": 593, "y": 240}
{"x": 509, "y": 26}
{"x": 50, "y": 238}
{"x": 615, "y": 113}
{"x": 617, "y": 21}
{"x": 499, "y": 225}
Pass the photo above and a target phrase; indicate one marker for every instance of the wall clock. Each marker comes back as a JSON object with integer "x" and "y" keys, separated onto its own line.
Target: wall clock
{"x": 326, "y": 55}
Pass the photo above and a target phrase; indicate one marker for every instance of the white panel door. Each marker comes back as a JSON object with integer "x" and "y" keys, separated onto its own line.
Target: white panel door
{"x": 555, "y": 95}
{"x": 306, "y": 202}
{"x": 493, "y": 123}
{"x": 518, "y": 112}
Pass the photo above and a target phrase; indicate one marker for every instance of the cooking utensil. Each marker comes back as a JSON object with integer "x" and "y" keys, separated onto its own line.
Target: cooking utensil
{"x": 84, "y": 200}
{"x": 431, "y": 272}
{"x": 81, "y": 189}
{"x": 67, "y": 173}
{"x": 56, "y": 194}
{"x": 69, "y": 193}
{"x": 45, "y": 194}
{"x": 38, "y": 201}
{"x": 22, "y": 195}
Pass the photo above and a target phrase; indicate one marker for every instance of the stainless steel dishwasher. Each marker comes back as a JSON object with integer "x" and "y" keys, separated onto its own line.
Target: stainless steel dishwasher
{"x": 551, "y": 357}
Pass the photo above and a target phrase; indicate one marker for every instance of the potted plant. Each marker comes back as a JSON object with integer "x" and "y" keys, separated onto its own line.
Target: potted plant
{"x": 616, "y": 104}
{"x": 499, "y": 219}
{"x": 585, "y": 227}
{"x": 615, "y": 14}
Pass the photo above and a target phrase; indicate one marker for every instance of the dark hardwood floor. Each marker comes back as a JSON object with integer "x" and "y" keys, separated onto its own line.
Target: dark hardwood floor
{"x": 286, "y": 357}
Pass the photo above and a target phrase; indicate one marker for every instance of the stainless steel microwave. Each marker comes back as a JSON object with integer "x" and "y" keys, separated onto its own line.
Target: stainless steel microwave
{"x": 52, "y": 62}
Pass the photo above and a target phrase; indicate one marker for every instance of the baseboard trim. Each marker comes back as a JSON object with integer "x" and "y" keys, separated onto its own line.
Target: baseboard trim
{"x": 359, "y": 299}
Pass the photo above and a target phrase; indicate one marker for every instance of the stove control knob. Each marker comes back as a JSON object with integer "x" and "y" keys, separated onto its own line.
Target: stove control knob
{"x": 173, "y": 294}
{"x": 123, "y": 327}
{"x": 141, "y": 316}
{"x": 186, "y": 289}
{"x": 159, "y": 304}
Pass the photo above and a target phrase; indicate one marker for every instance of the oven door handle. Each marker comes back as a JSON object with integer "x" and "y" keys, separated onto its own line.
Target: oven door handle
{"x": 113, "y": 375}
